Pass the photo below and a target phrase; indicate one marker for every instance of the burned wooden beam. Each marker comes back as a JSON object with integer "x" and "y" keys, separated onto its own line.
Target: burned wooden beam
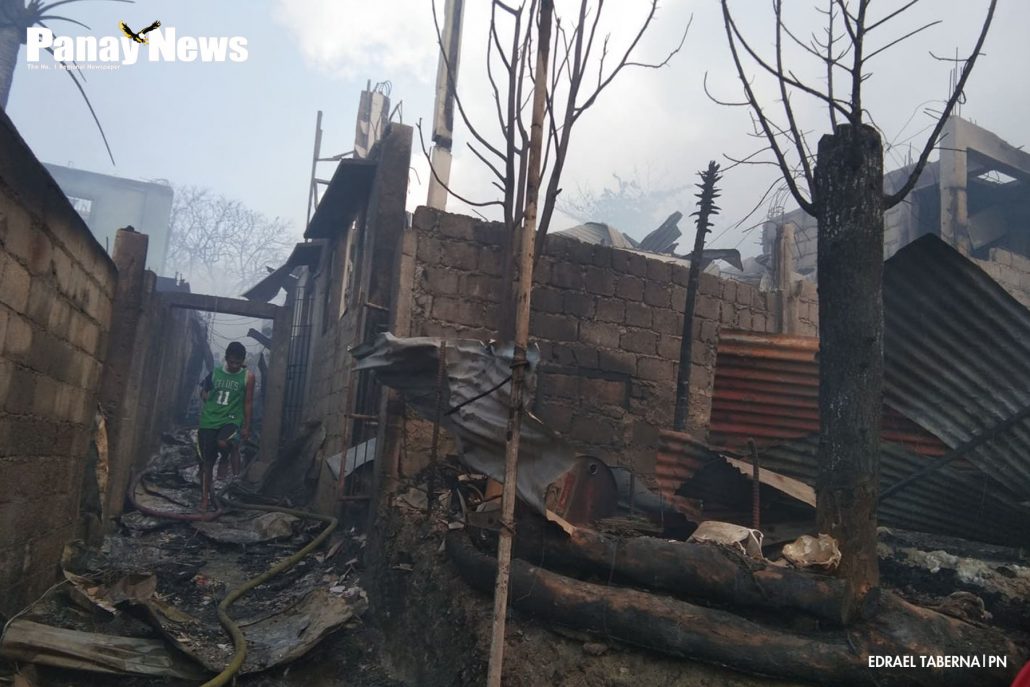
{"x": 695, "y": 571}
{"x": 219, "y": 304}
{"x": 890, "y": 627}
{"x": 662, "y": 623}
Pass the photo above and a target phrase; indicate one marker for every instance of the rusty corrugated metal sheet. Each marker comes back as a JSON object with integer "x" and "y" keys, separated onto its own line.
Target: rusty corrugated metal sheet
{"x": 680, "y": 456}
{"x": 957, "y": 349}
{"x": 950, "y": 501}
{"x": 767, "y": 388}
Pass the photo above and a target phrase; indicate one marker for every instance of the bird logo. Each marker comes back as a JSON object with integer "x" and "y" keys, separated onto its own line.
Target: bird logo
{"x": 138, "y": 37}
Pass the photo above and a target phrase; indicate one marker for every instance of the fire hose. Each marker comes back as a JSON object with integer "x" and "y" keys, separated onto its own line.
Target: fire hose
{"x": 238, "y": 640}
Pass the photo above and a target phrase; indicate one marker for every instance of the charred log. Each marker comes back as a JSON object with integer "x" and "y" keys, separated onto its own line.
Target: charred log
{"x": 687, "y": 570}
{"x": 890, "y": 627}
{"x": 661, "y": 623}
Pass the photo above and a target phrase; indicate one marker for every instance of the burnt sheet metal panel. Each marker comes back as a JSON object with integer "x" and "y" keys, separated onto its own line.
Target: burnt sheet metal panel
{"x": 344, "y": 198}
{"x": 268, "y": 288}
{"x": 957, "y": 355}
{"x": 680, "y": 456}
{"x": 767, "y": 388}
{"x": 953, "y": 501}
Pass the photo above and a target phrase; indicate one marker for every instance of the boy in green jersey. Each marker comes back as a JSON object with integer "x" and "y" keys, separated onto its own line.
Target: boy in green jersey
{"x": 228, "y": 396}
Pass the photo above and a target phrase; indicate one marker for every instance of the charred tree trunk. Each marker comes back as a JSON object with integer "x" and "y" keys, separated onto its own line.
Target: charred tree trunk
{"x": 10, "y": 42}
{"x": 697, "y": 571}
{"x": 850, "y": 207}
{"x": 662, "y": 624}
{"x": 677, "y": 628}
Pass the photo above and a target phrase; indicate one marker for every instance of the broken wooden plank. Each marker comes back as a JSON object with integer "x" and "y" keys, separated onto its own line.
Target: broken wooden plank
{"x": 32, "y": 642}
{"x": 788, "y": 485}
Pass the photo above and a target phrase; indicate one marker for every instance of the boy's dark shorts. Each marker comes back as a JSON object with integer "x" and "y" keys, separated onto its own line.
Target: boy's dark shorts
{"x": 207, "y": 440}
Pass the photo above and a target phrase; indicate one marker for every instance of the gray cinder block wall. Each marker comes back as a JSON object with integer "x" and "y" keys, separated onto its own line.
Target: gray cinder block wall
{"x": 56, "y": 290}
{"x": 608, "y": 323}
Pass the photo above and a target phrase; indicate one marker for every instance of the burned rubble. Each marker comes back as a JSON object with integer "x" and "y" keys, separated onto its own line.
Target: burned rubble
{"x": 635, "y": 455}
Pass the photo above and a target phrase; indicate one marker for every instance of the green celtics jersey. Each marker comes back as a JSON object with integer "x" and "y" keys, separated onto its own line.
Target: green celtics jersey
{"x": 225, "y": 398}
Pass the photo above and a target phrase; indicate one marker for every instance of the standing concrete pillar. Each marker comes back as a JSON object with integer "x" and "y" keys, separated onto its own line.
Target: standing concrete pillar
{"x": 271, "y": 428}
{"x": 954, "y": 178}
{"x": 783, "y": 267}
{"x": 130, "y": 259}
{"x": 443, "y": 111}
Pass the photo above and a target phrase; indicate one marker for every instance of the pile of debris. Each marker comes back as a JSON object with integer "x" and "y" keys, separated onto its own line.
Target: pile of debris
{"x": 146, "y": 602}
{"x": 714, "y": 599}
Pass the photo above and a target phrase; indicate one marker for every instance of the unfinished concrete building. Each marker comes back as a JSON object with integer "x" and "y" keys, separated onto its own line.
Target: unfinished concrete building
{"x": 108, "y": 202}
{"x": 976, "y": 198}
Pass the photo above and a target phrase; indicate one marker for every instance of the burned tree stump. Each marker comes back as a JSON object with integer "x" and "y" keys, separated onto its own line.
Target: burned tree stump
{"x": 849, "y": 211}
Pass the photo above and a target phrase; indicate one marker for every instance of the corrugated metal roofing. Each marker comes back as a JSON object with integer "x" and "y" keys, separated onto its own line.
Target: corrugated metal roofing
{"x": 767, "y": 388}
{"x": 344, "y": 198}
{"x": 957, "y": 355}
{"x": 957, "y": 363}
{"x": 680, "y": 456}
{"x": 948, "y": 501}
{"x": 598, "y": 233}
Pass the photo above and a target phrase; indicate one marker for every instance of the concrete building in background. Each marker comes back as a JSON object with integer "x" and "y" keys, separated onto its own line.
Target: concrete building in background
{"x": 107, "y": 203}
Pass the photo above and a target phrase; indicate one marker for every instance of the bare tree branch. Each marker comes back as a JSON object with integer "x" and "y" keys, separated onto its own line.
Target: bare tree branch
{"x": 425, "y": 152}
{"x": 805, "y": 203}
{"x": 898, "y": 40}
{"x": 799, "y": 141}
{"x": 890, "y": 16}
{"x": 717, "y": 101}
{"x": 732, "y": 26}
{"x": 910, "y": 183}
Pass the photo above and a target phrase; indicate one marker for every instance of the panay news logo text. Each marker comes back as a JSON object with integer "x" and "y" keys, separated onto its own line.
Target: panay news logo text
{"x": 161, "y": 45}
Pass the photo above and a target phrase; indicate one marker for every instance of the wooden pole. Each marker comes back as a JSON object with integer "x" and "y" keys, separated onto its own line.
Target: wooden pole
{"x": 756, "y": 503}
{"x": 706, "y": 208}
{"x": 518, "y": 364}
{"x": 313, "y": 188}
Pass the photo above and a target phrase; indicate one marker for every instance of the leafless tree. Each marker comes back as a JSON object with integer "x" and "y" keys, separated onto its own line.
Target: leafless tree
{"x": 220, "y": 245}
{"x": 841, "y": 185}
{"x": 581, "y": 68}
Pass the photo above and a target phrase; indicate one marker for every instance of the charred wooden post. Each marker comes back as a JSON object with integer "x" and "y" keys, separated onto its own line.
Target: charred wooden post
{"x": 849, "y": 178}
{"x": 756, "y": 483}
{"x": 706, "y": 208}
{"x": 441, "y": 380}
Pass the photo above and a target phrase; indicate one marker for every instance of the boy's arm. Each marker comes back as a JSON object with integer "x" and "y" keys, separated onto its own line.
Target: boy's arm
{"x": 248, "y": 406}
{"x": 205, "y": 388}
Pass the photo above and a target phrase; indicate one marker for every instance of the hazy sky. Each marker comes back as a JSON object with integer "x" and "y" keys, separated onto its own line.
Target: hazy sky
{"x": 246, "y": 129}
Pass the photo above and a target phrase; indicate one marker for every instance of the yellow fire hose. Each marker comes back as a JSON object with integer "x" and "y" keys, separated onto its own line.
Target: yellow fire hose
{"x": 239, "y": 642}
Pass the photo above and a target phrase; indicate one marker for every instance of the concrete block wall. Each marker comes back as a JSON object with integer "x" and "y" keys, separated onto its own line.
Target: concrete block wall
{"x": 378, "y": 231}
{"x": 1011, "y": 271}
{"x": 56, "y": 290}
{"x": 608, "y": 323}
